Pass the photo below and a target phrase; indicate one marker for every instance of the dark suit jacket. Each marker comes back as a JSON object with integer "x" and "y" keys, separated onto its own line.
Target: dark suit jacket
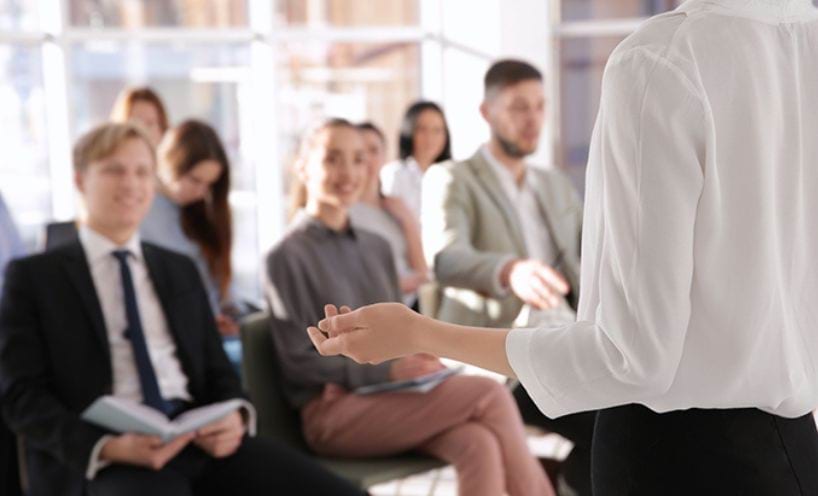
{"x": 55, "y": 359}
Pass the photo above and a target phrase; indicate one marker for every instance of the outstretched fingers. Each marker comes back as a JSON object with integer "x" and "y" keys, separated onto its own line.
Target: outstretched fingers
{"x": 330, "y": 310}
{"x": 335, "y": 323}
{"x": 342, "y": 344}
{"x": 318, "y": 339}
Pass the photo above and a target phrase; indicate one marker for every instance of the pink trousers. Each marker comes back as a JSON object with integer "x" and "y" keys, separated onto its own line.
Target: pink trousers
{"x": 469, "y": 422}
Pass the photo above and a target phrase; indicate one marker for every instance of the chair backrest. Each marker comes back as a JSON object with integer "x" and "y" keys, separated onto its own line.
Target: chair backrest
{"x": 60, "y": 233}
{"x": 263, "y": 381}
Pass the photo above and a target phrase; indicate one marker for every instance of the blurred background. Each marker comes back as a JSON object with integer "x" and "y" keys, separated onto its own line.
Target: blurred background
{"x": 261, "y": 71}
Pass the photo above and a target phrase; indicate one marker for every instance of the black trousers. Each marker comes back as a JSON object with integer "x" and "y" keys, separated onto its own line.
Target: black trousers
{"x": 259, "y": 467}
{"x": 577, "y": 428}
{"x": 9, "y": 469}
{"x": 702, "y": 452}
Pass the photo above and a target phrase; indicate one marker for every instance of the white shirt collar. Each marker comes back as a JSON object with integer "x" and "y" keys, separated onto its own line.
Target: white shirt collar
{"x": 97, "y": 247}
{"x": 503, "y": 174}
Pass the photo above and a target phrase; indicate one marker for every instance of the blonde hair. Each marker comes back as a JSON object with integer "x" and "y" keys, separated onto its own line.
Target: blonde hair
{"x": 103, "y": 140}
{"x": 298, "y": 190}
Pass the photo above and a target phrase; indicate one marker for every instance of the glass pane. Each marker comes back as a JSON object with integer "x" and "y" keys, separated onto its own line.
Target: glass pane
{"x": 583, "y": 10}
{"x": 347, "y": 12}
{"x": 24, "y": 176}
{"x": 139, "y": 13}
{"x": 18, "y": 15}
{"x": 582, "y": 62}
{"x": 357, "y": 81}
{"x": 195, "y": 81}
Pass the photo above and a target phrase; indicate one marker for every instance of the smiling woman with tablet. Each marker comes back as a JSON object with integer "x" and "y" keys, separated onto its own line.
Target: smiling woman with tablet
{"x": 470, "y": 422}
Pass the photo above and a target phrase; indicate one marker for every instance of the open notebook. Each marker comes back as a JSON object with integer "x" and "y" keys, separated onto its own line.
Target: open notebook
{"x": 121, "y": 415}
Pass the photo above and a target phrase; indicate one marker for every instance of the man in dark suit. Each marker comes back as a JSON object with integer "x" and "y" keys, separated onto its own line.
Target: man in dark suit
{"x": 109, "y": 315}
{"x": 11, "y": 246}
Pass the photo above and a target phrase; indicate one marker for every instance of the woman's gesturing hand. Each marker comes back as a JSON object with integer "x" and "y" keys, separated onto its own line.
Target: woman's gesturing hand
{"x": 370, "y": 334}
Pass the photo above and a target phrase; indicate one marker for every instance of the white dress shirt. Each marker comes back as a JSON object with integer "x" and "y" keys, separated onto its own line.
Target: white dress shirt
{"x": 161, "y": 346}
{"x": 538, "y": 242}
{"x": 699, "y": 276}
{"x": 404, "y": 179}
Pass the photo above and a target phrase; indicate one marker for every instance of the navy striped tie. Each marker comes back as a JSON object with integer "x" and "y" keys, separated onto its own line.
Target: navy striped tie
{"x": 147, "y": 377}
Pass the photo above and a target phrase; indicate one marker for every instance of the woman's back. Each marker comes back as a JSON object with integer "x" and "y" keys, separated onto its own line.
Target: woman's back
{"x": 723, "y": 152}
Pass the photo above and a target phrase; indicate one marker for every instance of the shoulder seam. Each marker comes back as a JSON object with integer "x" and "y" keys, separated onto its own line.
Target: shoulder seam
{"x": 665, "y": 61}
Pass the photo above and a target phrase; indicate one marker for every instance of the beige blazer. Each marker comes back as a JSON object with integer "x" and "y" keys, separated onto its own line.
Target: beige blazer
{"x": 470, "y": 229}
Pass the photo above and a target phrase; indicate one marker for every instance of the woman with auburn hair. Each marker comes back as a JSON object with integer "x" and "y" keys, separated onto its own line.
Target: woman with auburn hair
{"x": 190, "y": 213}
{"x": 470, "y": 422}
{"x": 143, "y": 106}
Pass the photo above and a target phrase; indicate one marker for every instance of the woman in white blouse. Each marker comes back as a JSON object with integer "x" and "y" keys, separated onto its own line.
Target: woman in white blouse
{"x": 424, "y": 140}
{"x": 697, "y": 326}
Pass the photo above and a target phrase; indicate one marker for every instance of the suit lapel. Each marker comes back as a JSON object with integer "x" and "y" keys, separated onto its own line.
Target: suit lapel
{"x": 76, "y": 265}
{"x": 546, "y": 209}
{"x": 491, "y": 184}
{"x": 163, "y": 285}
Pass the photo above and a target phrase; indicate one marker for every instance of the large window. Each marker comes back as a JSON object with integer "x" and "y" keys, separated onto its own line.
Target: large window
{"x": 576, "y": 10}
{"x": 582, "y": 62}
{"x": 586, "y": 32}
{"x": 24, "y": 172}
{"x": 359, "y": 81}
{"x": 152, "y": 13}
{"x": 259, "y": 71}
{"x": 19, "y": 15}
{"x": 347, "y": 13}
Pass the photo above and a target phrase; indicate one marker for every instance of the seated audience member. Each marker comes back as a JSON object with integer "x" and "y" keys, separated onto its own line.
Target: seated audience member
{"x": 389, "y": 217}
{"x": 143, "y": 106}
{"x": 11, "y": 246}
{"x": 424, "y": 140}
{"x": 503, "y": 237}
{"x": 471, "y": 422}
{"x": 111, "y": 315}
{"x": 140, "y": 105}
{"x": 190, "y": 213}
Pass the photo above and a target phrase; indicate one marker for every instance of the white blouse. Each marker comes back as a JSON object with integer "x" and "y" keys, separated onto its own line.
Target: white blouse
{"x": 404, "y": 179}
{"x": 700, "y": 244}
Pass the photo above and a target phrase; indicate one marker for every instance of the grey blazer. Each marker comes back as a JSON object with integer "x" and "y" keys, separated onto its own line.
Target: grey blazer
{"x": 470, "y": 228}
